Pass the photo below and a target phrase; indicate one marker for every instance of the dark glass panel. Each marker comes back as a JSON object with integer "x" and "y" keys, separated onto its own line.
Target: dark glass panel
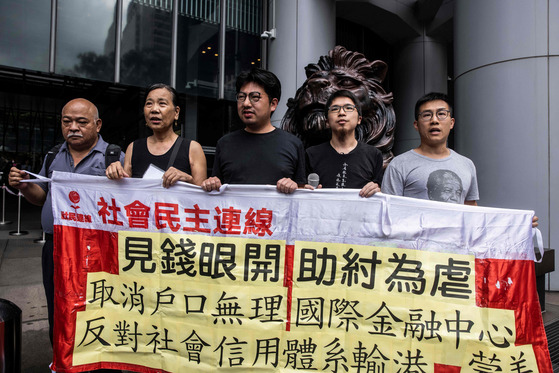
{"x": 146, "y": 43}
{"x": 85, "y": 39}
{"x": 242, "y": 52}
{"x": 197, "y": 57}
{"x": 242, "y": 40}
{"x": 25, "y": 34}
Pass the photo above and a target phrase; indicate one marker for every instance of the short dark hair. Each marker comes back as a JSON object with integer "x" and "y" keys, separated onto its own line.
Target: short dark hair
{"x": 264, "y": 78}
{"x": 174, "y": 94}
{"x": 433, "y": 96}
{"x": 344, "y": 93}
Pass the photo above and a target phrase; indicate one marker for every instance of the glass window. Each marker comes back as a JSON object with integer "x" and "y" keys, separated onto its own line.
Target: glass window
{"x": 146, "y": 42}
{"x": 198, "y": 43}
{"x": 242, "y": 40}
{"x": 28, "y": 128}
{"x": 25, "y": 34}
{"x": 242, "y": 52}
{"x": 85, "y": 39}
{"x": 206, "y": 118}
{"x": 198, "y": 49}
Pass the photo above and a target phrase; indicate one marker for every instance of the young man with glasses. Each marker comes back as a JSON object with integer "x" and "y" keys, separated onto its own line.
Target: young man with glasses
{"x": 260, "y": 153}
{"x": 432, "y": 170}
{"x": 343, "y": 162}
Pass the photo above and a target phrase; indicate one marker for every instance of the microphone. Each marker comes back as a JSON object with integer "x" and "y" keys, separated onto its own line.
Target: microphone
{"x": 313, "y": 180}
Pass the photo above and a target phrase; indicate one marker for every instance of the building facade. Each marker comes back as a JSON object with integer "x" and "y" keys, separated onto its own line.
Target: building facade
{"x": 498, "y": 60}
{"x": 109, "y": 51}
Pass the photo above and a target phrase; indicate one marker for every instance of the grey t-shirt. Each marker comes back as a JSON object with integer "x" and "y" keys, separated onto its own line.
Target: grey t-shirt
{"x": 451, "y": 179}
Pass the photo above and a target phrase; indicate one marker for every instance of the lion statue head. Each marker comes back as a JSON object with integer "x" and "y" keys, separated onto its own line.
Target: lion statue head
{"x": 342, "y": 69}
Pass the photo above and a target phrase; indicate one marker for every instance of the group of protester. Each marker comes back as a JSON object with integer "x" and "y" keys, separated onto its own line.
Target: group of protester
{"x": 264, "y": 154}
{"x": 258, "y": 154}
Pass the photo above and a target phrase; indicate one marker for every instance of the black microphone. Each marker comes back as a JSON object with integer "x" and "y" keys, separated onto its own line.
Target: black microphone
{"x": 313, "y": 180}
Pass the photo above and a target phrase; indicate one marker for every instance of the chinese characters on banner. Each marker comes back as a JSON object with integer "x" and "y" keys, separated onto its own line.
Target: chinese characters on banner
{"x": 178, "y": 280}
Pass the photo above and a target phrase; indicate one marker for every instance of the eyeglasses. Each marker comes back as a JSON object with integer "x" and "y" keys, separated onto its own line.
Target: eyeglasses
{"x": 428, "y": 115}
{"x": 336, "y": 108}
{"x": 253, "y": 97}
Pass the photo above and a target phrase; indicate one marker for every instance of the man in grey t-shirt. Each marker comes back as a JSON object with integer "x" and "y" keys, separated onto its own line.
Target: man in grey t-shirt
{"x": 432, "y": 170}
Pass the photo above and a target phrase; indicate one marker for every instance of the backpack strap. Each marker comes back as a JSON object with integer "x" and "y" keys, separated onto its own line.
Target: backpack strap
{"x": 51, "y": 154}
{"x": 178, "y": 144}
{"x": 112, "y": 154}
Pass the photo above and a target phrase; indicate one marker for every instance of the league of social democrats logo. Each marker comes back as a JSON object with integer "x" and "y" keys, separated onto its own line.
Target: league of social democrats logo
{"x": 74, "y": 198}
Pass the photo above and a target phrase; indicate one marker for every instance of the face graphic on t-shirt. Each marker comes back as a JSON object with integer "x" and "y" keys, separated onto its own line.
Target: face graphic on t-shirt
{"x": 444, "y": 186}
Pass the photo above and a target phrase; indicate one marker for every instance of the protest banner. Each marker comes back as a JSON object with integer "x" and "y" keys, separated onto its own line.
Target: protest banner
{"x": 179, "y": 280}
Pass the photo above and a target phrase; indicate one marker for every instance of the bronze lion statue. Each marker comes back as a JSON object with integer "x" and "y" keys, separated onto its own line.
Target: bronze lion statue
{"x": 342, "y": 69}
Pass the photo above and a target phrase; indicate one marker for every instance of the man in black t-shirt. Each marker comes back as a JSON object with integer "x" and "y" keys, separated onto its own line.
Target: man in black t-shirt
{"x": 259, "y": 153}
{"x": 343, "y": 162}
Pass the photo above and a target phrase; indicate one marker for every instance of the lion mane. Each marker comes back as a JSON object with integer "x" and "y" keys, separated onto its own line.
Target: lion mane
{"x": 377, "y": 125}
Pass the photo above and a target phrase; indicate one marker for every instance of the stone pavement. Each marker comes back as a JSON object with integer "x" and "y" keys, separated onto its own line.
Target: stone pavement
{"x": 21, "y": 282}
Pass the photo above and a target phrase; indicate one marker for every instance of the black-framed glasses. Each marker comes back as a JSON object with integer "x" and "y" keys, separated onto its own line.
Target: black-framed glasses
{"x": 347, "y": 108}
{"x": 441, "y": 114}
{"x": 252, "y": 96}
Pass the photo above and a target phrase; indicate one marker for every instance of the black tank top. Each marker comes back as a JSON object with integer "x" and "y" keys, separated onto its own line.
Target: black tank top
{"x": 142, "y": 158}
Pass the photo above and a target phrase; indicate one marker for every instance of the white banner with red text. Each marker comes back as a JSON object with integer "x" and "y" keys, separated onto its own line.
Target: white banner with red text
{"x": 150, "y": 279}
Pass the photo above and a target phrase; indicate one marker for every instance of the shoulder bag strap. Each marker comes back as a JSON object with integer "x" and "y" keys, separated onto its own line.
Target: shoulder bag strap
{"x": 178, "y": 144}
